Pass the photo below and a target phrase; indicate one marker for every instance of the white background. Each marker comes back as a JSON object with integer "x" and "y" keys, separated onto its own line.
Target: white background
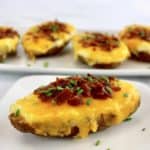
{"x": 108, "y": 14}
{"x": 89, "y": 13}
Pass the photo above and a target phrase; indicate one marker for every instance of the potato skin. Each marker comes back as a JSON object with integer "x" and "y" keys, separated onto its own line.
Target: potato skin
{"x": 142, "y": 56}
{"x": 103, "y": 122}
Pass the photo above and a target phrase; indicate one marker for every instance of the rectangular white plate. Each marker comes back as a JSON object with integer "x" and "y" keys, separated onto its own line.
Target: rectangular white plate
{"x": 63, "y": 63}
{"x": 126, "y": 136}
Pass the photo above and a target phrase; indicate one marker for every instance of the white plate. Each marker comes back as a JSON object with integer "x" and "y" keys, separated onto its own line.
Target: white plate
{"x": 126, "y": 136}
{"x": 63, "y": 63}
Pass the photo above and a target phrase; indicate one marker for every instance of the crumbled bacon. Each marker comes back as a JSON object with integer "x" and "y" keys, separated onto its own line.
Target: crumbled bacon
{"x": 75, "y": 100}
{"x": 138, "y": 32}
{"x": 52, "y": 27}
{"x": 47, "y": 29}
{"x": 104, "y": 41}
{"x": 63, "y": 96}
{"x": 72, "y": 90}
{"x": 98, "y": 91}
{"x": 7, "y": 32}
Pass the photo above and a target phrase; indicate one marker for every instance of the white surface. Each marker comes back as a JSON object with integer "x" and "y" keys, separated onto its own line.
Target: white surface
{"x": 127, "y": 135}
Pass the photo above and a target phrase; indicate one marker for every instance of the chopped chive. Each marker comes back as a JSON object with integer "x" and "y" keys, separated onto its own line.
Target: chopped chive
{"x": 97, "y": 142}
{"x": 143, "y": 129}
{"x": 73, "y": 82}
{"x": 125, "y": 95}
{"x": 29, "y": 65}
{"x": 79, "y": 91}
{"x": 48, "y": 91}
{"x": 88, "y": 102}
{"x": 48, "y": 94}
{"x": 45, "y": 64}
{"x": 128, "y": 119}
{"x": 90, "y": 79}
{"x": 17, "y": 112}
{"x": 106, "y": 79}
{"x": 142, "y": 33}
{"x": 108, "y": 89}
{"x": 59, "y": 88}
{"x": 54, "y": 28}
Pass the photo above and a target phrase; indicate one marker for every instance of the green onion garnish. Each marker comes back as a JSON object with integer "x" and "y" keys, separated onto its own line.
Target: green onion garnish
{"x": 88, "y": 102}
{"x": 45, "y": 64}
{"x": 17, "y": 112}
{"x": 47, "y": 92}
{"x": 73, "y": 82}
{"x": 59, "y": 88}
{"x": 105, "y": 79}
{"x": 54, "y": 28}
{"x": 108, "y": 89}
{"x": 128, "y": 119}
{"x": 97, "y": 142}
{"x": 142, "y": 33}
{"x": 125, "y": 95}
{"x": 79, "y": 91}
{"x": 29, "y": 65}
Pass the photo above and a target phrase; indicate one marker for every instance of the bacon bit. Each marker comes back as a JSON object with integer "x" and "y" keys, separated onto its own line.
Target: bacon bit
{"x": 47, "y": 29}
{"x": 86, "y": 90}
{"x": 52, "y": 27}
{"x": 73, "y": 89}
{"x": 63, "y": 96}
{"x": 104, "y": 41}
{"x": 74, "y": 101}
{"x": 7, "y": 32}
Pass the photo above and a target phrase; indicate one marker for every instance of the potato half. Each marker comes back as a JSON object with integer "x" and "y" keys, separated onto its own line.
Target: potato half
{"x": 9, "y": 39}
{"x": 99, "y": 50}
{"x": 137, "y": 38}
{"x": 47, "y": 38}
{"x": 75, "y": 106}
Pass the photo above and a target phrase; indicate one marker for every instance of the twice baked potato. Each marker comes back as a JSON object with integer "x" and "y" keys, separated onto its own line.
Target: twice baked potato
{"x": 137, "y": 38}
{"x": 99, "y": 49}
{"x": 9, "y": 39}
{"x": 75, "y": 106}
{"x": 47, "y": 38}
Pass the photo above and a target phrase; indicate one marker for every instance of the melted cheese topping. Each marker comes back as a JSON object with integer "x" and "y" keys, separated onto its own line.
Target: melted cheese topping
{"x": 43, "y": 45}
{"x": 57, "y": 120}
{"x": 136, "y": 45}
{"x": 99, "y": 56}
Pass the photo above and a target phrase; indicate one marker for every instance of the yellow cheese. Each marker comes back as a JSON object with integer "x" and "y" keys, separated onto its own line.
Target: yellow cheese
{"x": 8, "y": 45}
{"x": 58, "y": 119}
{"x": 99, "y": 56}
{"x": 137, "y": 45}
